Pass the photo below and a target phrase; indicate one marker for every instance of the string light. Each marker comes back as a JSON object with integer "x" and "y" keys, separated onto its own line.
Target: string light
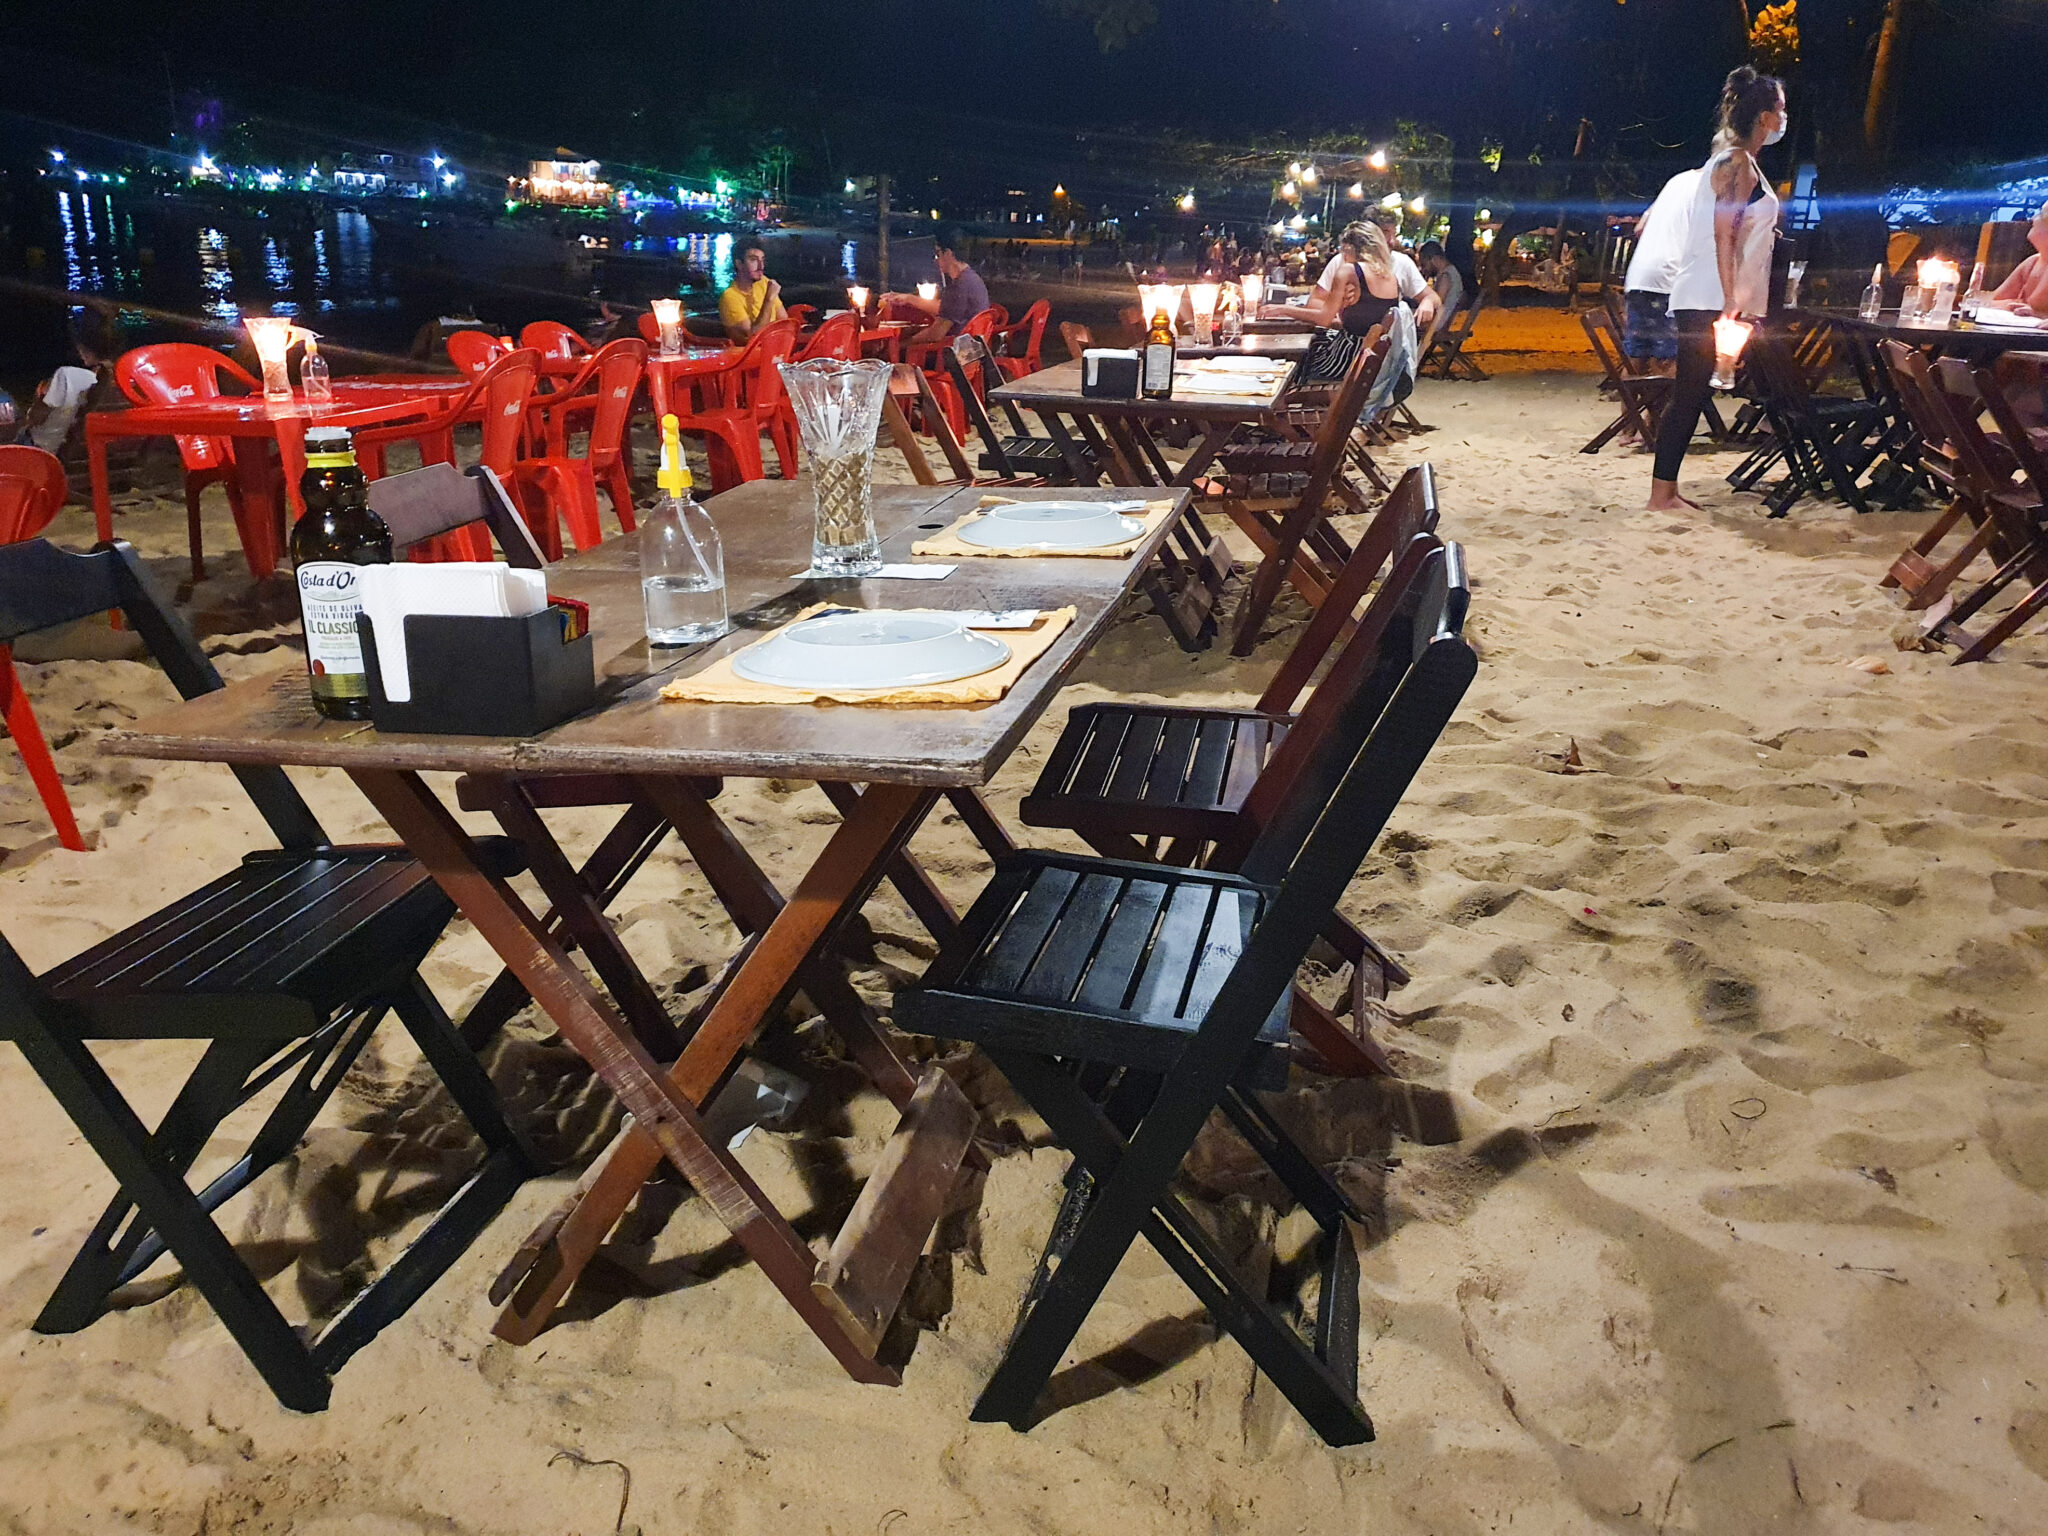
{"x": 1377, "y": 159}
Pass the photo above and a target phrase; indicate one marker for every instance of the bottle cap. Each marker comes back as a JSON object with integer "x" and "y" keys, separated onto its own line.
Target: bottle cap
{"x": 328, "y": 448}
{"x": 674, "y": 475}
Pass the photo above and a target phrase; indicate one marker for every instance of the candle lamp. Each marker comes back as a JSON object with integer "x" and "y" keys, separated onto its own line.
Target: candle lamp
{"x": 668, "y": 315}
{"x": 1202, "y": 299}
{"x": 927, "y": 290}
{"x": 1939, "y": 278}
{"x": 1160, "y": 296}
{"x": 1253, "y": 286}
{"x": 273, "y": 338}
{"x": 858, "y": 298}
{"x": 1730, "y": 337}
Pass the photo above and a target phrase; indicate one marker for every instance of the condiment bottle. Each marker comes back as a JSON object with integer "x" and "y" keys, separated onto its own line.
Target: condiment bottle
{"x": 337, "y": 535}
{"x": 682, "y": 562}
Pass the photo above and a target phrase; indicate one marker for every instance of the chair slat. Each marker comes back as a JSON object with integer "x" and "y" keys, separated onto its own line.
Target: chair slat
{"x": 133, "y": 959}
{"x": 1170, "y": 763}
{"x": 1134, "y": 766}
{"x": 1057, "y": 972}
{"x": 1125, "y": 942}
{"x": 1018, "y": 942}
{"x": 1107, "y": 729}
{"x": 1211, "y": 758}
{"x": 1162, "y": 991}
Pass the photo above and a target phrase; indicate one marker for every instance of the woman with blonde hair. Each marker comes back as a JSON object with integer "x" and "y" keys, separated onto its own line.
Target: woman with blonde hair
{"x": 1725, "y": 268}
{"x": 1361, "y": 294}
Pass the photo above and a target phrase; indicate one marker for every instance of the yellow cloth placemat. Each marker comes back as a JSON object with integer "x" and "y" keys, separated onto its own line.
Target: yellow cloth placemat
{"x": 949, "y": 543}
{"x": 719, "y": 684}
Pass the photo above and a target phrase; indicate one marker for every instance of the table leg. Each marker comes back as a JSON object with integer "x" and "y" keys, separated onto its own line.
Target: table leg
{"x": 96, "y": 467}
{"x": 1107, "y": 454}
{"x": 1212, "y": 443}
{"x": 1126, "y": 443}
{"x": 1149, "y": 446}
{"x": 834, "y": 887}
{"x": 1076, "y": 461}
{"x": 666, "y": 1119}
{"x": 291, "y": 460}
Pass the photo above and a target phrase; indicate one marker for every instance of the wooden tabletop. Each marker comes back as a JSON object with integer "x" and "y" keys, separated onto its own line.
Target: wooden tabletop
{"x": 1059, "y": 389}
{"x": 766, "y": 527}
{"x": 1291, "y": 345}
{"x": 1958, "y": 337}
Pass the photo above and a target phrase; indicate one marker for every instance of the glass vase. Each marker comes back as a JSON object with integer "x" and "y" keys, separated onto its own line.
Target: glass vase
{"x": 838, "y": 409}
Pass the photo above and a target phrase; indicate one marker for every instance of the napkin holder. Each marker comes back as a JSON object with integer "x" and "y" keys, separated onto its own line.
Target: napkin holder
{"x": 1108, "y": 373}
{"x": 476, "y": 676}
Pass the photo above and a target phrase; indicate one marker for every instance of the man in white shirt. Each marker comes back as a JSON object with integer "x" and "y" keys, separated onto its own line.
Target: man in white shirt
{"x": 1646, "y": 290}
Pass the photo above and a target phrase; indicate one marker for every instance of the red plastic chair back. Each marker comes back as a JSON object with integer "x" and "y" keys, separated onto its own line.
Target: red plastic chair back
{"x": 474, "y": 351}
{"x": 760, "y": 383}
{"x": 1035, "y": 318}
{"x": 506, "y": 387}
{"x": 838, "y": 337}
{"x": 650, "y": 329}
{"x": 618, "y": 366}
{"x": 177, "y": 373}
{"x": 554, "y": 341}
{"x": 32, "y": 488}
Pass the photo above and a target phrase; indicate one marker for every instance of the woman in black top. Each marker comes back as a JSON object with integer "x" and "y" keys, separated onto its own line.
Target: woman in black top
{"x": 1361, "y": 293}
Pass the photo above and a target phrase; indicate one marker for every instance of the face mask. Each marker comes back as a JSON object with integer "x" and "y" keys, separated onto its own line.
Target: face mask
{"x": 1776, "y": 133}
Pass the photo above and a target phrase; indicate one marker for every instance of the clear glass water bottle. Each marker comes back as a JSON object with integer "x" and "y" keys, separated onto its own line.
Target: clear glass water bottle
{"x": 314, "y": 379}
{"x": 682, "y": 563}
{"x": 1873, "y": 296}
{"x": 1973, "y": 296}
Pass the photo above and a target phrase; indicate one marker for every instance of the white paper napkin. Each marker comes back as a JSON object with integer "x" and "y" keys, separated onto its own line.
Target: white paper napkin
{"x": 478, "y": 588}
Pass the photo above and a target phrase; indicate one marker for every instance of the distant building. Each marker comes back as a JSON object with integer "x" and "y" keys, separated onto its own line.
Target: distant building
{"x": 574, "y": 183}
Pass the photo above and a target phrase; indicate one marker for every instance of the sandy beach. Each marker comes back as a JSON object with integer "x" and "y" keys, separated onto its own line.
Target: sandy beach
{"x": 1712, "y": 1198}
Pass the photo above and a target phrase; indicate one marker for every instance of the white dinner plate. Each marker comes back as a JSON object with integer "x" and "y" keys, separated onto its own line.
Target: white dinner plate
{"x": 870, "y": 649}
{"x": 1054, "y": 525}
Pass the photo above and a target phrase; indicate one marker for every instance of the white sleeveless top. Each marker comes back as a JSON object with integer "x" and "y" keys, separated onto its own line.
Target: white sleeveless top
{"x": 1698, "y": 283}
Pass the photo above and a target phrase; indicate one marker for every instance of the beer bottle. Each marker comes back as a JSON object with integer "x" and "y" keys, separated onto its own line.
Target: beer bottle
{"x": 1157, "y": 378}
{"x": 337, "y": 534}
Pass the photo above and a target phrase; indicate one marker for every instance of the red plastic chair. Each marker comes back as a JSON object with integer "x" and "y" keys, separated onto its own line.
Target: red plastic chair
{"x": 1018, "y": 347}
{"x": 756, "y": 403}
{"x": 561, "y": 488}
{"x": 925, "y": 355}
{"x": 32, "y": 488}
{"x": 838, "y": 337}
{"x": 805, "y": 315}
{"x": 474, "y": 351}
{"x": 554, "y": 341}
{"x": 498, "y": 398}
{"x": 177, "y": 373}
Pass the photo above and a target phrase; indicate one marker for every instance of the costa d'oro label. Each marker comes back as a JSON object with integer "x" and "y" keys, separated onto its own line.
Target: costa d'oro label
{"x": 338, "y": 535}
{"x": 330, "y": 598}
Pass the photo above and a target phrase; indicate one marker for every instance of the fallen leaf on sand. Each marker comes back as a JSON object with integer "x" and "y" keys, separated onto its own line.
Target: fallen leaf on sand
{"x": 1876, "y": 666}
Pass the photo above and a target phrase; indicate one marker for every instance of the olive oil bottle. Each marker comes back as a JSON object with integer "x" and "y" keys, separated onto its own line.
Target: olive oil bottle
{"x": 336, "y": 537}
{"x": 1157, "y": 377}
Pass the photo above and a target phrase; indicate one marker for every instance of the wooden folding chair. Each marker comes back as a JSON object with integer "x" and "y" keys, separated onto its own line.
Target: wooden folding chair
{"x": 1292, "y": 528}
{"x": 1827, "y": 442}
{"x": 1967, "y": 483}
{"x": 1127, "y": 1002}
{"x": 1196, "y": 785}
{"x": 1013, "y": 455}
{"x": 1641, "y": 393}
{"x": 1446, "y": 357}
{"x": 2017, "y": 507}
{"x": 284, "y": 967}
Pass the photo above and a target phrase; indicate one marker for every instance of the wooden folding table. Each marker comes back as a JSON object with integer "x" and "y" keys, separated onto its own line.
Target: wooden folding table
{"x": 660, "y": 755}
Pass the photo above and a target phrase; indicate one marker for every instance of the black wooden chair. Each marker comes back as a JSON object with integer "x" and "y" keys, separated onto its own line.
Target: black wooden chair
{"x": 1197, "y": 785}
{"x": 284, "y": 966}
{"x": 1641, "y": 394}
{"x": 1445, "y": 356}
{"x": 1127, "y": 1001}
{"x": 1009, "y": 455}
{"x": 1827, "y": 442}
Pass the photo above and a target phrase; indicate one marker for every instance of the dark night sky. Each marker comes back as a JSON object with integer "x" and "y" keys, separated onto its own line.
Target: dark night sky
{"x": 989, "y": 89}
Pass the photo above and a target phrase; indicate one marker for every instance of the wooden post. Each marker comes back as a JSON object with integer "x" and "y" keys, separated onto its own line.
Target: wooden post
{"x": 882, "y": 234}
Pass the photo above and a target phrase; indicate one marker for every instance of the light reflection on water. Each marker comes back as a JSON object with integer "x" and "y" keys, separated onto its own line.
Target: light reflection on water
{"x": 277, "y": 269}
{"x": 74, "y": 275}
{"x": 217, "y": 277}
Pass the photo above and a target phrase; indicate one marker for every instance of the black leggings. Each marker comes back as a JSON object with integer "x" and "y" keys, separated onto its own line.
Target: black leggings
{"x": 1689, "y": 392}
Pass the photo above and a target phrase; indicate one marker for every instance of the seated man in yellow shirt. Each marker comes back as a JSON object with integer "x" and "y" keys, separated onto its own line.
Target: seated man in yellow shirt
{"x": 755, "y": 298}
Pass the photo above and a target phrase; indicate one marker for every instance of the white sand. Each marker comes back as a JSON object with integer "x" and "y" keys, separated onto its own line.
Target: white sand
{"x": 1731, "y": 1046}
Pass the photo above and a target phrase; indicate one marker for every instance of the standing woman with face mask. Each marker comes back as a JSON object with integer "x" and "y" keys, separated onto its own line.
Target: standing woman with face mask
{"x": 1726, "y": 266}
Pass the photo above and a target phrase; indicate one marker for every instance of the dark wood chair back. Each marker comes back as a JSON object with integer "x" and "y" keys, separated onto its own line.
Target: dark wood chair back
{"x": 42, "y": 586}
{"x": 424, "y": 503}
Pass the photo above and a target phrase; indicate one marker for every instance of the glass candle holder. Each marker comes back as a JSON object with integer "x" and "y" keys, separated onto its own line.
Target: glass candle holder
{"x": 857, "y": 299}
{"x": 1160, "y": 296}
{"x": 1202, "y": 299}
{"x": 1730, "y": 337}
{"x": 273, "y": 339}
{"x": 927, "y": 290}
{"x": 668, "y": 315}
{"x": 1939, "y": 279}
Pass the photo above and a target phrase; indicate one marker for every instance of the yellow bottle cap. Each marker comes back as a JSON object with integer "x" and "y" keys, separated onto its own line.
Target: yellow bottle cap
{"x": 674, "y": 475}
